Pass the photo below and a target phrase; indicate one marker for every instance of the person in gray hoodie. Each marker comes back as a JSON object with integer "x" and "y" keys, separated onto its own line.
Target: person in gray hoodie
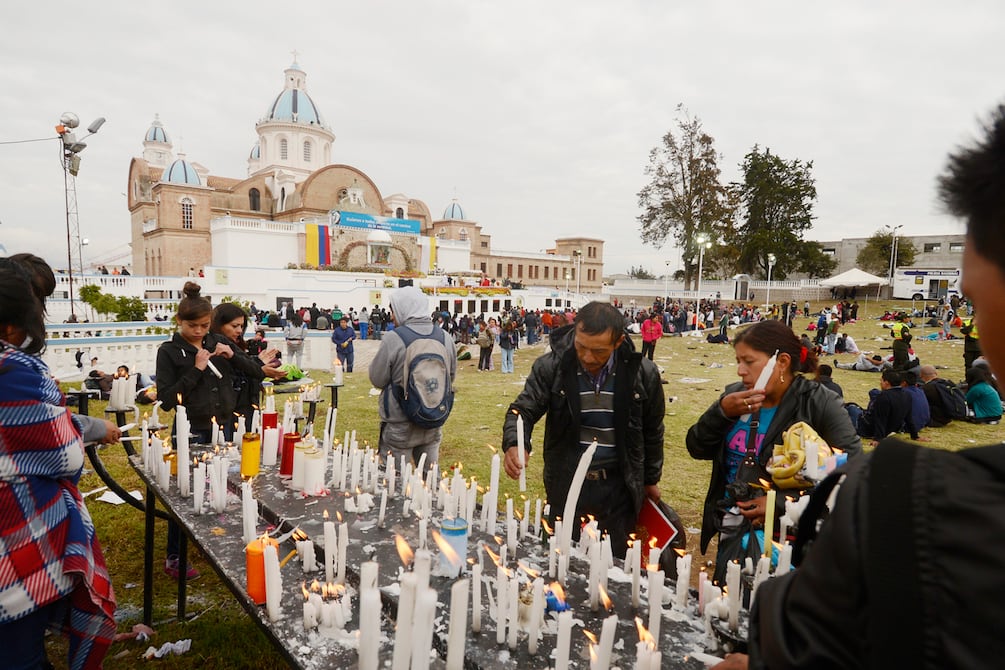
{"x": 398, "y": 435}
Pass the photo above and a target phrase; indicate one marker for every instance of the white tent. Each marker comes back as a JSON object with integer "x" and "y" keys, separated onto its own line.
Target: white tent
{"x": 854, "y": 277}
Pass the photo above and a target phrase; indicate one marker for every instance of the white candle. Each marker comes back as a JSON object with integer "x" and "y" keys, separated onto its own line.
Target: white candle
{"x": 369, "y": 617}
{"x": 521, "y": 452}
{"x": 502, "y": 600}
{"x": 606, "y": 642}
{"x": 343, "y": 548}
{"x": 784, "y": 559}
{"x": 702, "y": 579}
{"x": 537, "y": 518}
{"x": 249, "y": 512}
{"x": 216, "y": 432}
{"x": 423, "y": 564}
{"x": 476, "y": 598}
{"x": 513, "y": 612}
{"x": 634, "y": 559}
{"x": 536, "y": 610}
{"x": 594, "y": 579}
{"x": 683, "y": 579}
{"x": 655, "y": 601}
{"x": 458, "y": 625}
{"x": 270, "y": 446}
{"x": 422, "y": 623}
{"x": 183, "y": 473}
{"x": 305, "y": 548}
{"x": 511, "y": 536}
{"x": 572, "y": 501}
{"x": 273, "y": 583}
{"x": 494, "y": 477}
{"x": 383, "y": 508}
{"x": 314, "y": 472}
{"x": 331, "y": 549}
{"x": 402, "y": 655}
{"x": 200, "y": 487}
{"x": 564, "y": 640}
{"x": 733, "y": 591}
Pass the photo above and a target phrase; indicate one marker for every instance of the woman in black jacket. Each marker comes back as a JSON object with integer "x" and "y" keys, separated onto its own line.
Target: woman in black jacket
{"x": 721, "y": 434}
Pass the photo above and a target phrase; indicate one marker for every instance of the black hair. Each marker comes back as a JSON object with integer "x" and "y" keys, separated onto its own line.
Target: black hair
{"x": 18, "y": 305}
{"x": 43, "y": 281}
{"x": 224, "y": 313}
{"x": 594, "y": 318}
{"x": 773, "y": 335}
{"x": 973, "y": 188}
{"x": 824, "y": 370}
{"x": 193, "y": 306}
{"x": 892, "y": 377}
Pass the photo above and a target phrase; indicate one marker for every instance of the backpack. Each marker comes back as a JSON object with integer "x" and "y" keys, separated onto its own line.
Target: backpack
{"x": 427, "y": 396}
{"x": 953, "y": 399}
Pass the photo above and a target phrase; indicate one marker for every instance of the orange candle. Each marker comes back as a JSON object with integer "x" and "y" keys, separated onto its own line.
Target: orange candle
{"x": 254, "y": 555}
{"x": 251, "y": 454}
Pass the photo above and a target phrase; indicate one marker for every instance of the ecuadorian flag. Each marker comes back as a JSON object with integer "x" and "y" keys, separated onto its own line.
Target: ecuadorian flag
{"x": 317, "y": 250}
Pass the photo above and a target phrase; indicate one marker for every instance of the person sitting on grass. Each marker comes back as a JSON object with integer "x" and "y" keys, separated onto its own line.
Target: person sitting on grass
{"x": 982, "y": 397}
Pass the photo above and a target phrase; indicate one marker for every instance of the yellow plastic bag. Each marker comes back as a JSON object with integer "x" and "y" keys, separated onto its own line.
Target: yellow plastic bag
{"x": 788, "y": 461}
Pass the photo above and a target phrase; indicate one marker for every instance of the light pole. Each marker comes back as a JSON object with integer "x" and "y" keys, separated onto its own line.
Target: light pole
{"x": 70, "y": 158}
{"x": 703, "y": 243}
{"x": 771, "y": 264}
{"x": 579, "y": 270}
{"x": 567, "y": 276}
{"x": 666, "y": 286}
{"x": 893, "y": 255}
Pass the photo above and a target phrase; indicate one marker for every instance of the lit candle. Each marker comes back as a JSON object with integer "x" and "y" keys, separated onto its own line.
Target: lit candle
{"x": 655, "y": 601}
{"x": 458, "y": 625}
{"x": 273, "y": 583}
{"x": 402, "y": 655}
{"x": 216, "y": 432}
{"x": 249, "y": 512}
{"x": 684, "y": 579}
{"x": 537, "y": 518}
{"x": 331, "y": 550}
{"x": 606, "y": 642}
{"x": 769, "y": 521}
{"x": 494, "y": 477}
{"x": 255, "y": 568}
{"x": 633, "y": 559}
{"x": 343, "y": 548}
{"x": 784, "y": 559}
{"x": 513, "y": 612}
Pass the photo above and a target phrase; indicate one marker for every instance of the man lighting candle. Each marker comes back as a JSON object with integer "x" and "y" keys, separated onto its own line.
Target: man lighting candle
{"x": 593, "y": 385}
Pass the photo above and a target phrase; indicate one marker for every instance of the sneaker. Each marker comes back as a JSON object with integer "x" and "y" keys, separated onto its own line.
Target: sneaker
{"x": 171, "y": 569}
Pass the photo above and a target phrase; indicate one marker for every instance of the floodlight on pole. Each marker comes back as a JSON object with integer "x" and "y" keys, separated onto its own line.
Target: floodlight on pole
{"x": 771, "y": 264}
{"x": 893, "y": 254}
{"x": 69, "y": 156}
{"x": 703, "y": 243}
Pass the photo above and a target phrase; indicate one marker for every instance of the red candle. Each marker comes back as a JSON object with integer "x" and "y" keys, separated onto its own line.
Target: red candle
{"x": 270, "y": 420}
{"x": 286, "y": 464}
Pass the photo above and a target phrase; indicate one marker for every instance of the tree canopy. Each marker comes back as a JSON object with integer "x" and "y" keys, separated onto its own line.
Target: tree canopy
{"x": 640, "y": 273}
{"x": 874, "y": 257}
{"x": 685, "y": 197}
{"x": 777, "y": 198}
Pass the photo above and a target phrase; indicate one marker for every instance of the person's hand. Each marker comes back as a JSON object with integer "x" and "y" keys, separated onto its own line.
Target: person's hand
{"x": 742, "y": 402}
{"x": 223, "y": 350}
{"x": 754, "y": 509}
{"x": 733, "y": 662}
{"x": 511, "y": 461}
{"x": 268, "y": 356}
{"x": 273, "y": 372}
{"x": 202, "y": 359}
{"x": 112, "y": 433}
{"x": 652, "y": 492}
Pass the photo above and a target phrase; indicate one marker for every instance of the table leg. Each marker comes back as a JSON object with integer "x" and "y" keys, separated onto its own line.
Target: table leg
{"x": 148, "y": 559}
{"x": 182, "y": 573}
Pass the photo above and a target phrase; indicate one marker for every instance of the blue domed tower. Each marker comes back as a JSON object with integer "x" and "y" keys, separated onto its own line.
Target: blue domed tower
{"x": 157, "y": 144}
{"x": 181, "y": 172}
{"x": 293, "y": 139}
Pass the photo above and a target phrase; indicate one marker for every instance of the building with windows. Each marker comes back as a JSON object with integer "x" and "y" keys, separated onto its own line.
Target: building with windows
{"x": 298, "y": 208}
{"x": 933, "y": 251}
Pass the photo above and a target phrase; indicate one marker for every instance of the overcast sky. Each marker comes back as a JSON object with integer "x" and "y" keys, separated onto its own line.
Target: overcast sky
{"x": 538, "y": 116}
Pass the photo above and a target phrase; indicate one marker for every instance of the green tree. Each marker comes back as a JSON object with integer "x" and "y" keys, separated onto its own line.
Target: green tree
{"x": 814, "y": 262}
{"x": 124, "y": 308}
{"x": 130, "y": 309}
{"x": 777, "y": 198}
{"x": 640, "y": 273}
{"x": 874, "y": 257}
{"x": 685, "y": 197}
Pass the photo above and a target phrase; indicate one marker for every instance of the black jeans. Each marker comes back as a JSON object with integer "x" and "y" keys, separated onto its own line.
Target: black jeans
{"x": 648, "y": 349}
{"x": 610, "y": 502}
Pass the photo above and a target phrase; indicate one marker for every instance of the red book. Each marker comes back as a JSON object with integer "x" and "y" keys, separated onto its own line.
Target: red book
{"x": 653, "y": 524}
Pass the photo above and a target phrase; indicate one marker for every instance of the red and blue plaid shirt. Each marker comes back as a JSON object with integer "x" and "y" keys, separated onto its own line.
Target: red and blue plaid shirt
{"x": 48, "y": 547}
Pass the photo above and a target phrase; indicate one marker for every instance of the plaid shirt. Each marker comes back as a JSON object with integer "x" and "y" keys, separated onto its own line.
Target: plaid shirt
{"x": 48, "y": 547}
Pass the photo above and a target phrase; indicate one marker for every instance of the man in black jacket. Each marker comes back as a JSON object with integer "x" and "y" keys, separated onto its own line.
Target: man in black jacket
{"x": 593, "y": 385}
{"x": 889, "y": 410}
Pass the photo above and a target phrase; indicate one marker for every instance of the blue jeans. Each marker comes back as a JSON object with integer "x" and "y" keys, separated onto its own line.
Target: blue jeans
{"x": 363, "y": 327}
{"x": 507, "y": 360}
{"x": 23, "y": 641}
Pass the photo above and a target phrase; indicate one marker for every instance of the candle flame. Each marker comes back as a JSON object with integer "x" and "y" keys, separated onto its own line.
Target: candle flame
{"x": 338, "y": 515}
{"x": 765, "y": 484}
{"x": 179, "y": 398}
{"x": 593, "y": 640}
{"x": 492, "y": 448}
{"x": 325, "y": 515}
{"x": 531, "y": 572}
{"x": 652, "y": 542}
{"x": 605, "y": 600}
{"x": 303, "y": 587}
{"x": 299, "y": 535}
{"x": 558, "y": 592}
{"x": 548, "y": 529}
{"x": 315, "y": 587}
{"x": 680, "y": 552}
{"x": 494, "y": 556}
{"x": 644, "y": 635}
{"x": 446, "y": 549}
{"x": 404, "y": 551}
{"x": 593, "y": 650}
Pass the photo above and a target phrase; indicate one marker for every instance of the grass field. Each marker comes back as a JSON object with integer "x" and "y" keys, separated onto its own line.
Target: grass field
{"x": 224, "y": 637}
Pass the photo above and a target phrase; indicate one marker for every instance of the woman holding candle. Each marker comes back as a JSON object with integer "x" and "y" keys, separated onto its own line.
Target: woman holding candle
{"x": 53, "y": 572}
{"x": 768, "y": 407}
{"x": 187, "y": 376}
{"x": 230, "y": 321}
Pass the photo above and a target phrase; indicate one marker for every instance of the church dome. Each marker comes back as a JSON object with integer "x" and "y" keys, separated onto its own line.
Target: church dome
{"x": 181, "y": 172}
{"x": 454, "y": 212}
{"x": 294, "y": 105}
{"x": 156, "y": 132}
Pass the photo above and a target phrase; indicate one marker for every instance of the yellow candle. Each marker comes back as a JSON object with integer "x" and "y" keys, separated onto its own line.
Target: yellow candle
{"x": 769, "y": 521}
{"x": 251, "y": 454}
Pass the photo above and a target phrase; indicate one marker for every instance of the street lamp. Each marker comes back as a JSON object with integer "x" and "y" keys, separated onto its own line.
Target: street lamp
{"x": 703, "y": 243}
{"x": 893, "y": 255}
{"x": 70, "y": 158}
{"x": 579, "y": 270}
{"x": 771, "y": 264}
{"x": 666, "y": 286}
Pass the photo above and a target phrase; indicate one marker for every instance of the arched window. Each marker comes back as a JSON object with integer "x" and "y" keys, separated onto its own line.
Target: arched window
{"x": 254, "y": 200}
{"x": 282, "y": 197}
{"x": 283, "y": 149}
{"x": 463, "y": 234}
{"x": 307, "y": 151}
{"x": 399, "y": 213}
{"x": 186, "y": 214}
